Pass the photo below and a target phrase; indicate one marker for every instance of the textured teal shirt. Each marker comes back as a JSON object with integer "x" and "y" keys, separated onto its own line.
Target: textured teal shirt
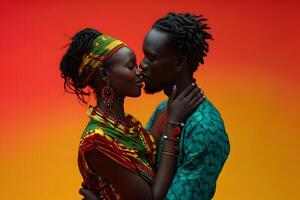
{"x": 203, "y": 150}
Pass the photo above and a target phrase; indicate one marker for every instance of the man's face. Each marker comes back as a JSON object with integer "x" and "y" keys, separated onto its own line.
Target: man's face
{"x": 158, "y": 65}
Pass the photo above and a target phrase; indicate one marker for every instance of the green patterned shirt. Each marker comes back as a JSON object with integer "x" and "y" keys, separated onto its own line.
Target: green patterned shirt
{"x": 203, "y": 150}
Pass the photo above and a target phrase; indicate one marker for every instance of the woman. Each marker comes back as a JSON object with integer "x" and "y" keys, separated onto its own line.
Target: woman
{"x": 116, "y": 154}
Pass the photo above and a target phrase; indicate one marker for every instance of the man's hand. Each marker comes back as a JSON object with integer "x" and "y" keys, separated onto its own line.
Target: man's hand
{"x": 87, "y": 194}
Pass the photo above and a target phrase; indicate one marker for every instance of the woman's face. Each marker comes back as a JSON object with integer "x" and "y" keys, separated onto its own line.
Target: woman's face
{"x": 123, "y": 73}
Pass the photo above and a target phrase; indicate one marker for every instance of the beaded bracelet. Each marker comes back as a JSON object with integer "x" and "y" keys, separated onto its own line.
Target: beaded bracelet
{"x": 170, "y": 138}
{"x": 177, "y": 126}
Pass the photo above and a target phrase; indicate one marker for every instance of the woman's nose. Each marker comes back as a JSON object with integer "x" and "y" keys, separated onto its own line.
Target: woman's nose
{"x": 137, "y": 72}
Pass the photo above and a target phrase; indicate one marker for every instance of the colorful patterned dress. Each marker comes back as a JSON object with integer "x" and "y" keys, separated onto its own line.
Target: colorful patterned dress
{"x": 129, "y": 145}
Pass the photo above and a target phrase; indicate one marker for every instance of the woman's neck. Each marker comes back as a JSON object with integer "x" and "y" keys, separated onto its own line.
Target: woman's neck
{"x": 116, "y": 110}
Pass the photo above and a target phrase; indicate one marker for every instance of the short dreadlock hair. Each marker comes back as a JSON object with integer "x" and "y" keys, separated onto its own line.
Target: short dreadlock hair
{"x": 187, "y": 34}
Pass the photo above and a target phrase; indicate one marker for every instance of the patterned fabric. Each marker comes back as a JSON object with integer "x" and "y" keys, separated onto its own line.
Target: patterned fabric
{"x": 203, "y": 150}
{"x": 102, "y": 49}
{"x": 131, "y": 147}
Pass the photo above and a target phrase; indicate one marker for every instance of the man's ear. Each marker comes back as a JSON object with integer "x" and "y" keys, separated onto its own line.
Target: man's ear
{"x": 181, "y": 63}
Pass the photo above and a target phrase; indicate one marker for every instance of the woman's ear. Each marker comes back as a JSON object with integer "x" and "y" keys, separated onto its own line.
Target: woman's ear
{"x": 104, "y": 74}
{"x": 181, "y": 63}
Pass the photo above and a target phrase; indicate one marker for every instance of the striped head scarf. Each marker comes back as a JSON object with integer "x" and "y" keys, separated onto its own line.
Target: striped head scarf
{"x": 103, "y": 48}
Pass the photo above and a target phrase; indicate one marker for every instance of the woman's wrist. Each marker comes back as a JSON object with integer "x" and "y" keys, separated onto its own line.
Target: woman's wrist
{"x": 174, "y": 119}
{"x": 170, "y": 144}
{"x": 176, "y": 123}
{"x": 174, "y": 129}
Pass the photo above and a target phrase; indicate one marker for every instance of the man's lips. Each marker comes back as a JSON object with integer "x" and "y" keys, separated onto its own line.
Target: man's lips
{"x": 144, "y": 76}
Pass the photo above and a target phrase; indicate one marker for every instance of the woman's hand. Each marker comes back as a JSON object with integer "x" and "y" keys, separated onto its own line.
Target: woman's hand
{"x": 181, "y": 107}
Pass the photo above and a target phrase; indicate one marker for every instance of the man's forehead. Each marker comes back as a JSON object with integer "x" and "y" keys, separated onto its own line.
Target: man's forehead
{"x": 156, "y": 40}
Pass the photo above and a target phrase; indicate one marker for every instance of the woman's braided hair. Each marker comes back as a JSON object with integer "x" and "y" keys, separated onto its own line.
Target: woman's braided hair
{"x": 81, "y": 43}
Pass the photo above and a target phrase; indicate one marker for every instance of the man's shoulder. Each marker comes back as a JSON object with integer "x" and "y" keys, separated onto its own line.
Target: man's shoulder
{"x": 206, "y": 114}
{"x": 205, "y": 126}
{"x": 160, "y": 107}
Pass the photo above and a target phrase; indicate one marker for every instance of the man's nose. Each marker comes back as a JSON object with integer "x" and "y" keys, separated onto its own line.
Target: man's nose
{"x": 143, "y": 66}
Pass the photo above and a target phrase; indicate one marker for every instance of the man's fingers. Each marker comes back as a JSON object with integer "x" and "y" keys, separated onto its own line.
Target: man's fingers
{"x": 82, "y": 191}
{"x": 88, "y": 194}
{"x": 83, "y": 185}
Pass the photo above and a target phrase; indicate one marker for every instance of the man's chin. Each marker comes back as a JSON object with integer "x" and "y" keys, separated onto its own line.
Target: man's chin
{"x": 151, "y": 90}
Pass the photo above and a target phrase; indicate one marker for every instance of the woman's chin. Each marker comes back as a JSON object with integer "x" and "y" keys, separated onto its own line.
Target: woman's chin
{"x": 136, "y": 93}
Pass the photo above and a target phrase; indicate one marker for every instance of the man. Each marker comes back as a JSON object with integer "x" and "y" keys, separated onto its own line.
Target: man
{"x": 173, "y": 49}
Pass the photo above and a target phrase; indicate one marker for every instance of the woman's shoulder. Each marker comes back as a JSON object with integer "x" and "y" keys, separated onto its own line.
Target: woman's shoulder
{"x": 95, "y": 136}
{"x": 92, "y": 126}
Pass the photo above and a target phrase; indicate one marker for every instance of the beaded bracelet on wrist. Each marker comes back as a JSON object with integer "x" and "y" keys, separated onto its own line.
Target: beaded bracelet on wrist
{"x": 170, "y": 138}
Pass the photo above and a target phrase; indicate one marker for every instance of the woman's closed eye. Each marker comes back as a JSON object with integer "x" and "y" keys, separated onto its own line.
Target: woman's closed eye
{"x": 132, "y": 66}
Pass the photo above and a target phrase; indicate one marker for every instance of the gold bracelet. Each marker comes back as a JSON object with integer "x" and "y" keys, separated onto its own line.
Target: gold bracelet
{"x": 171, "y": 154}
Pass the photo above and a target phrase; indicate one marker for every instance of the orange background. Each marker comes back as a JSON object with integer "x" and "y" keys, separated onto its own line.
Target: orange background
{"x": 251, "y": 74}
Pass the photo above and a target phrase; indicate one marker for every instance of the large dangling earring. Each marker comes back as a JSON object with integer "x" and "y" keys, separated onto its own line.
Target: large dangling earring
{"x": 108, "y": 95}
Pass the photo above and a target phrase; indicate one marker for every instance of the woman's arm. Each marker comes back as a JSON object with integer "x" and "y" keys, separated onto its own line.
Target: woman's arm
{"x": 178, "y": 110}
{"x": 158, "y": 125}
{"x": 129, "y": 184}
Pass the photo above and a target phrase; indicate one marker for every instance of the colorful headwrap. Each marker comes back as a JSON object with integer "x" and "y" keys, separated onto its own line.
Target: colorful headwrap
{"x": 102, "y": 49}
